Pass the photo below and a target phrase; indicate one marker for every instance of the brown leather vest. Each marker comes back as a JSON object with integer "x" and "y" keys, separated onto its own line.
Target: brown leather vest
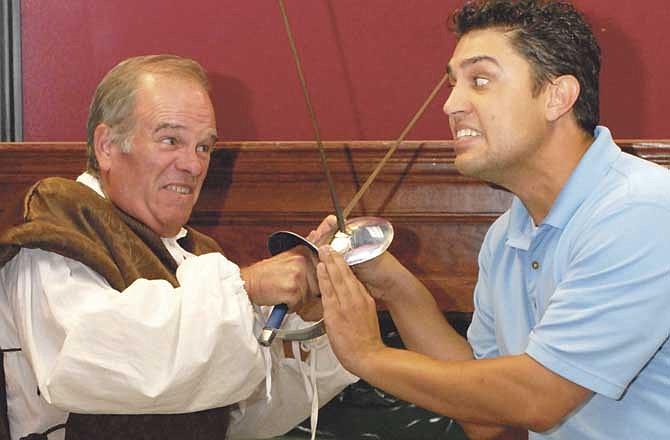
{"x": 70, "y": 219}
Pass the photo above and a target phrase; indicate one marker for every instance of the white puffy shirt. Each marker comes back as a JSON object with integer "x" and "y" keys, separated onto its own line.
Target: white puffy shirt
{"x": 152, "y": 348}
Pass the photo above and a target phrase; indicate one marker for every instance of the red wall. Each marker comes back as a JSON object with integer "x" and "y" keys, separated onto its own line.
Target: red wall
{"x": 369, "y": 64}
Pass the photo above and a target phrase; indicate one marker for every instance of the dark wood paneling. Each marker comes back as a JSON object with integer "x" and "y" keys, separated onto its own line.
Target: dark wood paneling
{"x": 254, "y": 189}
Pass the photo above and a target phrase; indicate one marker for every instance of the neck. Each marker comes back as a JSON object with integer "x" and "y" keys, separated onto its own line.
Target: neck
{"x": 539, "y": 179}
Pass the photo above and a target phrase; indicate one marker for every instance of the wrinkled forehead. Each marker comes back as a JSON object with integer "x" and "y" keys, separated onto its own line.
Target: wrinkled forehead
{"x": 155, "y": 83}
{"x": 176, "y": 96}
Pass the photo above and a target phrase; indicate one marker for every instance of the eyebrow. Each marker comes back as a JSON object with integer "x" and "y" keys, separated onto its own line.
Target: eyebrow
{"x": 171, "y": 126}
{"x": 213, "y": 136}
{"x": 167, "y": 126}
{"x": 472, "y": 60}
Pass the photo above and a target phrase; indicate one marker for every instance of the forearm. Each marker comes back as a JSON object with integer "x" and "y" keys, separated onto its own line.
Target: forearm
{"x": 509, "y": 391}
{"x": 447, "y": 388}
{"x": 434, "y": 336}
{"x": 409, "y": 303}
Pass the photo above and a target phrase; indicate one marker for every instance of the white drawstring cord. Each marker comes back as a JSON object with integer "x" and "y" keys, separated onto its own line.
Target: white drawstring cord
{"x": 310, "y": 384}
{"x": 259, "y": 319}
{"x": 268, "y": 372}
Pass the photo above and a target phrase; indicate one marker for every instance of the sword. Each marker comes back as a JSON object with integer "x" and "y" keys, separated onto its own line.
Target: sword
{"x": 359, "y": 240}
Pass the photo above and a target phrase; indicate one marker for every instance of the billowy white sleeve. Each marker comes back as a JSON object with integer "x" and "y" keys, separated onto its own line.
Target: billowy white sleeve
{"x": 152, "y": 348}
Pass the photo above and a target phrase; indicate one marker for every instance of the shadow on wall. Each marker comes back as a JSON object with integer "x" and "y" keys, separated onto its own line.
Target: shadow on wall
{"x": 232, "y": 104}
{"x": 622, "y": 81}
{"x": 344, "y": 63}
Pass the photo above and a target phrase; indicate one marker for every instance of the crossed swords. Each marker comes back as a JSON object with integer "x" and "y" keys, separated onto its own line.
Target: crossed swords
{"x": 283, "y": 240}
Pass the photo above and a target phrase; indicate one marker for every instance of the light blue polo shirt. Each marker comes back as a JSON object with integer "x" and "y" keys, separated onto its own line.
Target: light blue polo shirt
{"x": 587, "y": 293}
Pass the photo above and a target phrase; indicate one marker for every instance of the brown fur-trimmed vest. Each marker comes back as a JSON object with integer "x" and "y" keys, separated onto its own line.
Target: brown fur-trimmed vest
{"x": 70, "y": 219}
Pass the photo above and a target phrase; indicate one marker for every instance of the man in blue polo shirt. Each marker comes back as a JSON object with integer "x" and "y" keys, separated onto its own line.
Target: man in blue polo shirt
{"x": 570, "y": 329}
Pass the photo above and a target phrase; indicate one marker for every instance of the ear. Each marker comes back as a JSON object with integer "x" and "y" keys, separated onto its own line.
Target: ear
{"x": 103, "y": 145}
{"x": 563, "y": 93}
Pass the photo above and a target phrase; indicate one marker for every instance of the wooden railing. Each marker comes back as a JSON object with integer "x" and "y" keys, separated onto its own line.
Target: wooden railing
{"x": 256, "y": 188}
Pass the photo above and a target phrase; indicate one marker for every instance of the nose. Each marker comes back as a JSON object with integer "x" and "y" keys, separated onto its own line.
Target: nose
{"x": 191, "y": 162}
{"x": 456, "y": 102}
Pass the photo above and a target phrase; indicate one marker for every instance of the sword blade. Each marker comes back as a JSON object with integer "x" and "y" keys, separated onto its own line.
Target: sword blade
{"x": 395, "y": 146}
{"x": 322, "y": 153}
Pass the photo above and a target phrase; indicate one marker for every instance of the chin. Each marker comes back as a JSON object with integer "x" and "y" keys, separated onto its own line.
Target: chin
{"x": 471, "y": 168}
{"x": 463, "y": 165}
{"x": 175, "y": 223}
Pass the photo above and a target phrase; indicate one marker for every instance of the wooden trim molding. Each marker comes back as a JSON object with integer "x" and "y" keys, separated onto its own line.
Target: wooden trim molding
{"x": 255, "y": 188}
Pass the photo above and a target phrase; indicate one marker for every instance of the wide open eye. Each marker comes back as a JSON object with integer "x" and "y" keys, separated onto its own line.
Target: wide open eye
{"x": 480, "y": 81}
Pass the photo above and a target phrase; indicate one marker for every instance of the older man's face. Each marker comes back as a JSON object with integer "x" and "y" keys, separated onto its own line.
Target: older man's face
{"x": 159, "y": 180}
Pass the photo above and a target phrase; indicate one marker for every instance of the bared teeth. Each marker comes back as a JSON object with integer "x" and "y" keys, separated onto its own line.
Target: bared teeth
{"x": 179, "y": 189}
{"x": 466, "y": 132}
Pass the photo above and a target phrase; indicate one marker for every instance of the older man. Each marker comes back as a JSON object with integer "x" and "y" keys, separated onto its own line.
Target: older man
{"x": 122, "y": 321}
{"x": 571, "y": 278}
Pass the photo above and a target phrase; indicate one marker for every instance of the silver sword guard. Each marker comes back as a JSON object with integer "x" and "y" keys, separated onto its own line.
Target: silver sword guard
{"x": 365, "y": 239}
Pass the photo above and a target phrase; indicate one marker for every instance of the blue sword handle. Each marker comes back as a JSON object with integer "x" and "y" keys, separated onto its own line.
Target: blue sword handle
{"x": 276, "y": 316}
{"x": 273, "y": 323}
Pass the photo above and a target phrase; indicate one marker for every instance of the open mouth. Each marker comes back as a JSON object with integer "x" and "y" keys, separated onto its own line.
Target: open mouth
{"x": 465, "y": 133}
{"x": 180, "y": 189}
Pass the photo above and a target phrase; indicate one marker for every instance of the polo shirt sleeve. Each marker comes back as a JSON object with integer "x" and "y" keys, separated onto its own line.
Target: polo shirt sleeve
{"x": 598, "y": 329}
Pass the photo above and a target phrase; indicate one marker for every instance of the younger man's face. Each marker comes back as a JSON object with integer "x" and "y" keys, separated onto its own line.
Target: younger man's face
{"x": 495, "y": 121}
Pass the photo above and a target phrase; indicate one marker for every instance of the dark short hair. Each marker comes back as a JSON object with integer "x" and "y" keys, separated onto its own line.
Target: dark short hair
{"x": 552, "y": 36}
{"x": 114, "y": 99}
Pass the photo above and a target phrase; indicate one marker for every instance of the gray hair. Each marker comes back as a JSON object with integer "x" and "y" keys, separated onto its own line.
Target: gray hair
{"x": 113, "y": 103}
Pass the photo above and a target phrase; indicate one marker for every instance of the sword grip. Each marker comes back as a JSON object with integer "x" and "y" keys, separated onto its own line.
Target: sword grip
{"x": 273, "y": 323}
{"x": 279, "y": 242}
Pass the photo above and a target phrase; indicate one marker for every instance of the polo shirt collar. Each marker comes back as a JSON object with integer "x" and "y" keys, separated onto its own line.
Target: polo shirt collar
{"x": 595, "y": 163}
{"x": 590, "y": 170}
{"x": 520, "y": 230}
